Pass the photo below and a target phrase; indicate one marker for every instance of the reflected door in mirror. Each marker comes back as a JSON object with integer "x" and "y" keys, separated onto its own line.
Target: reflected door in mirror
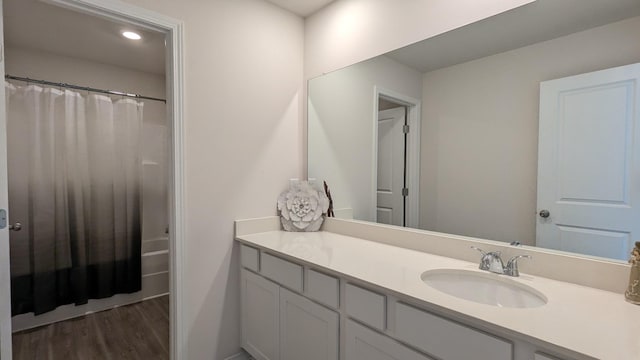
{"x": 391, "y": 167}
{"x": 589, "y": 163}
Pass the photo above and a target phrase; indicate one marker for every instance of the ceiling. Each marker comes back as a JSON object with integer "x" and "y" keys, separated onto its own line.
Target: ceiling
{"x": 303, "y": 8}
{"x": 35, "y": 25}
{"x": 538, "y": 21}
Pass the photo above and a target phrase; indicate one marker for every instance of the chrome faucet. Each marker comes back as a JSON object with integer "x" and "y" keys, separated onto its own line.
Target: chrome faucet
{"x": 492, "y": 261}
{"x": 512, "y": 265}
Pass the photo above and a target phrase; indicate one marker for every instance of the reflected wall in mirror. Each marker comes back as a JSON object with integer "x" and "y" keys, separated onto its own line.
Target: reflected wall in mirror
{"x": 524, "y": 129}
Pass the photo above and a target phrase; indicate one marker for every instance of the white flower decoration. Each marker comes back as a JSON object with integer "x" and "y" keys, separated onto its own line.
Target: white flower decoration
{"x": 302, "y": 206}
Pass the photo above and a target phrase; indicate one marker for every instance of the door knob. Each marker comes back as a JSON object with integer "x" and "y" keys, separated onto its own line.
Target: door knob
{"x": 544, "y": 213}
{"x": 16, "y": 227}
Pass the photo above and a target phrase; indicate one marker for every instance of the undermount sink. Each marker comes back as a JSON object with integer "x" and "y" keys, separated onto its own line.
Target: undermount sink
{"x": 484, "y": 288}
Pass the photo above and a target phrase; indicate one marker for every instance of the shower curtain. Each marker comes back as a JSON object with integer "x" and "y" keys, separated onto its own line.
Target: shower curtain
{"x": 75, "y": 185}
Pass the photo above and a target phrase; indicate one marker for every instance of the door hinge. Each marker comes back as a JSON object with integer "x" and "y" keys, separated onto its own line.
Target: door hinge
{"x": 405, "y": 192}
{"x": 405, "y": 129}
{"x": 3, "y": 218}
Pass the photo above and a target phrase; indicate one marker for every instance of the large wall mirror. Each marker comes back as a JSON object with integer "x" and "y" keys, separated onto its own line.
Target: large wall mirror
{"x": 522, "y": 127}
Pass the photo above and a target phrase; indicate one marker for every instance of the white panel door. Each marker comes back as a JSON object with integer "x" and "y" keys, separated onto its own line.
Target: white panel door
{"x": 391, "y": 163}
{"x": 5, "y": 276}
{"x": 307, "y": 330}
{"x": 589, "y": 163}
{"x": 260, "y": 303}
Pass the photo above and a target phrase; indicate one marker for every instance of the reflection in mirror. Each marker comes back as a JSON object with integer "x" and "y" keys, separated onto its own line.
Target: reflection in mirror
{"x": 521, "y": 127}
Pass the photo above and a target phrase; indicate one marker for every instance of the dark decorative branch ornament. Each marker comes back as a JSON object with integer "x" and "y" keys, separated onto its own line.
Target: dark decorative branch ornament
{"x": 328, "y": 193}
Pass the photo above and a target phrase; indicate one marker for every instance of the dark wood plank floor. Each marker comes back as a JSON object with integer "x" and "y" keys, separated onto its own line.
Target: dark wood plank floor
{"x": 137, "y": 331}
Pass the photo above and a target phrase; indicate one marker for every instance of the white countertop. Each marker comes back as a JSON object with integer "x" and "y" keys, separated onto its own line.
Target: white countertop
{"x": 592, "y": 322}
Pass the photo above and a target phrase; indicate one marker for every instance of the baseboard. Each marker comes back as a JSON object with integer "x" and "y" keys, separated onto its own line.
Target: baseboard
{"x": 65, "y": 312}
{"x": 242, "y": 355}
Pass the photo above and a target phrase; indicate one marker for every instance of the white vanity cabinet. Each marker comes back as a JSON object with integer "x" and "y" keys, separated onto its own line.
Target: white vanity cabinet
{"x": 280, "y": 324}
{"x": 293, "y": 312}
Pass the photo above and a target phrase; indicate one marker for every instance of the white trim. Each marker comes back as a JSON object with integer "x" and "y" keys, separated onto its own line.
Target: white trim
{"x": 121, "y": 11}
{"x": 414, "y": 109}
{"x": 5, "y": 269}
{"x": 373, "y": 214}
{"x": 28, "y": 321}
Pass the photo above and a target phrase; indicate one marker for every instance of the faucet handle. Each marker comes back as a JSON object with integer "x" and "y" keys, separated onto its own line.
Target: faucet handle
{"x": 484, "y": 253}
{"x": 512, "y": 265}
{"x": 484, "y": 260}
{"x": 480, "y": 250}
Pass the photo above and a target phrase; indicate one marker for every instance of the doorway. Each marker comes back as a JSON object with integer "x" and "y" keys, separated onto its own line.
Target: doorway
{"x": 169, "y": 30}
{"x": 392, "y": 163}
{"x": 397, "y": 158}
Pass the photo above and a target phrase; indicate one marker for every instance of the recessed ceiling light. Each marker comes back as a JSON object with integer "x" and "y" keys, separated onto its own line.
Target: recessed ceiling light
{"x": 131, "y": 35}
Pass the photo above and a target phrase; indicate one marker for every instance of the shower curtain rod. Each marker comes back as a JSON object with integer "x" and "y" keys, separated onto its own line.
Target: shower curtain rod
{"x": 77, "y": 87}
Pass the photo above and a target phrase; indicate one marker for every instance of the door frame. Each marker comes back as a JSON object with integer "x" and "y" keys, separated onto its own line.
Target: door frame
{"x": 5, "y": 269}
{"x": 173, "y": 29}
{"x": 414, "y": 107}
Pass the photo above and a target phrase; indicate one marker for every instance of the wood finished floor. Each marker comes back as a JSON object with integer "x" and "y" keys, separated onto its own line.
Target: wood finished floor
{"x": 137, "y": 331}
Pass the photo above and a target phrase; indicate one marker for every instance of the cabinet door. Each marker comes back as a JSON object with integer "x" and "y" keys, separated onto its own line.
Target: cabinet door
{"x": 365, "y": 344}
{"x": 259, "y": 316}
{"x": 307, "y": 330}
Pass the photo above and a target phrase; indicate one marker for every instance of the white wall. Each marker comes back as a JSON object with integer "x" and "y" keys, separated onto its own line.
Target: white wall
{"x": 341, "y": 119}
{"x": 480, "y": 131}
{"x": 349, "y": 31}
{"x": 243, "y": 84}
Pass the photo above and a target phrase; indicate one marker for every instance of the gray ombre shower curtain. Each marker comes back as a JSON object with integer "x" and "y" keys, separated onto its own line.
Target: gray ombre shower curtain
{"x": 75, "y": 185}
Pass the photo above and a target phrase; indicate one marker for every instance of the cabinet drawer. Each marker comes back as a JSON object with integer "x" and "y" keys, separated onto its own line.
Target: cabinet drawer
{"x": 365, "y": 344}
{"x": 446, "y": 339}
{"x": 249, "y": 257}
{"x": 282, "y": 271}
{"x": 366, "y": 306}
{"x": 323, "y": 288}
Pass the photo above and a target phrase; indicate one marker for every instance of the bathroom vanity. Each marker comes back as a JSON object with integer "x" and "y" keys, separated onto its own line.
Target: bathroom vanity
{"x": 329, "y": 295}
